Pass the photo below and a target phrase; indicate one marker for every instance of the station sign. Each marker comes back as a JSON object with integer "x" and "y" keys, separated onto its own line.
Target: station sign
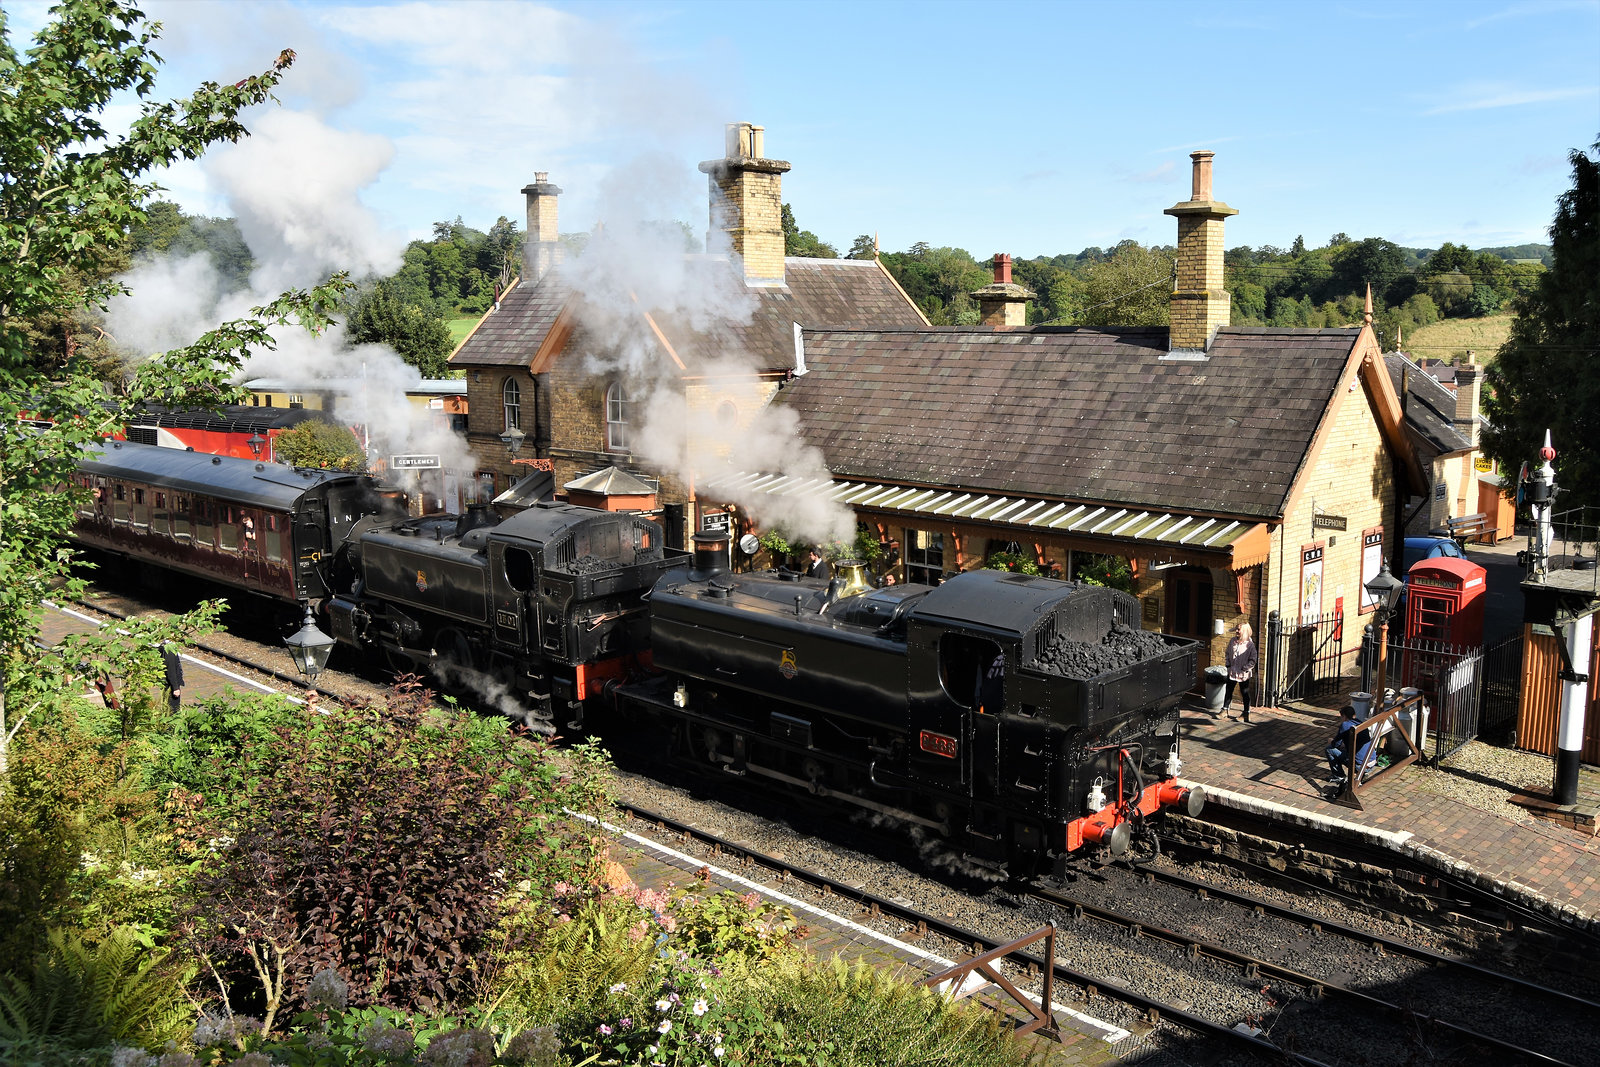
{"x": 413, "y": 463}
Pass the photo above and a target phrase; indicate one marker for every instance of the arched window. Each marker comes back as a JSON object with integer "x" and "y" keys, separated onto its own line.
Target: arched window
{"x": 616, "y": 418}
{"x": 511, "y": 397}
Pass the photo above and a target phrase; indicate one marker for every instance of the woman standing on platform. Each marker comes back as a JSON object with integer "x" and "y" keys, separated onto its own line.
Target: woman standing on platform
{"x": 1241, "y": 660}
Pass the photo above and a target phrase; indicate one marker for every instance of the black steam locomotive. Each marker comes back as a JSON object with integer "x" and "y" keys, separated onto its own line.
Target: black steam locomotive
{"x": 1022, "y": 719}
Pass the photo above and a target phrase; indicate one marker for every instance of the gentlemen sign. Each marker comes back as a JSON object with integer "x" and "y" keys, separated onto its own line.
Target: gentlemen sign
{"x": 413, "y": 463}
{"x": 1328, "y": 522}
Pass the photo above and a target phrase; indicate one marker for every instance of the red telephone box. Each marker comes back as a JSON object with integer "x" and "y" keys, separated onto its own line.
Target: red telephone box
{"x": 1445, "y": 600}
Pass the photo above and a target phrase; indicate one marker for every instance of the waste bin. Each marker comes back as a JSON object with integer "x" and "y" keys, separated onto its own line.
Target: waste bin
{"x": 1216, "y": 687}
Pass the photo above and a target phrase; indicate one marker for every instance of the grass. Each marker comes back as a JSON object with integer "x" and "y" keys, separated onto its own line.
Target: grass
{"x": 459, "y": 328}
{"x": 1454, "y": 337}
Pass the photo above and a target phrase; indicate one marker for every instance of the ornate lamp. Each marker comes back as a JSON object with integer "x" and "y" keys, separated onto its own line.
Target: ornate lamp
{"x": 309, "y": 648}
{"x": 512, "y": 439}
{"x": 256, "y": 442}
{"x": 1385, "y": 589}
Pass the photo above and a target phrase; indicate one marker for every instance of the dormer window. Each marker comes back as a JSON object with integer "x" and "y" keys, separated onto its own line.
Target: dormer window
{"x": 511, "y": 398}
{"x": 616, "y": 418}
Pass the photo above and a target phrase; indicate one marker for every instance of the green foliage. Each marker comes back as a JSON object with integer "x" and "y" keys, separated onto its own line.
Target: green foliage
{"x": 1133, "y": 287}
{"x": 321, "y": 445}
{"x": 167, "y": 231}
{"x": 77, "y": 995}
{"x": 865, "y": 246}
{"x": 798, "y": 242}
{"x": 1544, "y": 375}
{"x": 716, "y": 926}
{"x": 1113, "y": 571}
{"x": 775, "y": 541}
{"x": 1006, "y": 560}
{"x": 378, "y": 841}
{"x": 938, "y": 280}
{"x": 417, "y": 331}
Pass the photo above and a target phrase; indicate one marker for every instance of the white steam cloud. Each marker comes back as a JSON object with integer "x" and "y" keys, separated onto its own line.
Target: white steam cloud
{"x": 294, "y": 187}
{"x": 701, "y": 411}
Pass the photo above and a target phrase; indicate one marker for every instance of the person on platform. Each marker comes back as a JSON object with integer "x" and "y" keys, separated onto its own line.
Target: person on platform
{"x": 172, "y": 660}
{"x": 819, "y": 567}
{"x": 1241, "y": 663}
{"x": 1343, "y": 743}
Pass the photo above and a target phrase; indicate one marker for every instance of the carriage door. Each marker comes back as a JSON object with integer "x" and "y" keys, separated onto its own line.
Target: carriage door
{"x": 309, "y": 546}
{"x": 250, "y": 545}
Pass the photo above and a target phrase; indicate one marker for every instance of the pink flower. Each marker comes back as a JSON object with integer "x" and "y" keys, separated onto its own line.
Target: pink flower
{"x": 604, "y": 1029}
{"x": 636, "y": 932}
{"x": 751, "y": 901}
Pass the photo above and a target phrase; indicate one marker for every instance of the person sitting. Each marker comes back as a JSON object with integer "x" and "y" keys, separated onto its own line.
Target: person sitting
{"x": 1339, "y": 748}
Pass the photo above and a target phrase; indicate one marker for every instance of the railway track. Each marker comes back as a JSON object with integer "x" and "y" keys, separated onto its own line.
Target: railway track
{"x": 1290, "y": 1001}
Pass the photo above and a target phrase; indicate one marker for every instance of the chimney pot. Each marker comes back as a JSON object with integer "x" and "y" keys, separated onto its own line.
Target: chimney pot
{"x": 1202, "y": 174}
{"x": 758, "y": 138}
{"x": 541, "y": 176}
{"x": 1002, "y": 269}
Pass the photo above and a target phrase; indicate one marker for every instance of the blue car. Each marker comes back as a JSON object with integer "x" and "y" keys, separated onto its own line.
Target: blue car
{"x": 1420, "y": 548}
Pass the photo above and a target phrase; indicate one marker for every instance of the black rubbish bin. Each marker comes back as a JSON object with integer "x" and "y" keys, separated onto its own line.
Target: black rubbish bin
{"x": 1216, "y": 687}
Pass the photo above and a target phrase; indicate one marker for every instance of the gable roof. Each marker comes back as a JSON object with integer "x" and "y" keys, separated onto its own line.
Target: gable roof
{"x": 1075, "y": 413}
{"x": 1431, "y": 408}
{"x": 817, "y": 293}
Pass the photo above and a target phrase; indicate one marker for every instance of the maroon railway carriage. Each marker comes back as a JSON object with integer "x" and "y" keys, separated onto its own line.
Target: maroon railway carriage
{"x": 260, "y": 527}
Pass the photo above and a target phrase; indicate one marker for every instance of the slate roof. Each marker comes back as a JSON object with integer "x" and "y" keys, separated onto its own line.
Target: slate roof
{"x": 1431, "y": 409}
{"x": 836, "y": 293}
{"x": 1073, "y": 413}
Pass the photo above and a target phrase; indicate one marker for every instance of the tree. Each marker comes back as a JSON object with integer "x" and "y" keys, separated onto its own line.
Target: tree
{"x": 1544, "y": 377}
{"x": 1132, "y": 288}
{"x": 71, "y": 192}
{"x": 865, "y": 246}
{"x": 798, "y": 242}
{"x": 382, "y": 315}
{"x": 319, "y": 444}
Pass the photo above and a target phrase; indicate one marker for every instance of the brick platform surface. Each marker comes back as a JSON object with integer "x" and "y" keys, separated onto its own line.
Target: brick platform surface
{"x": 1275, "y": 766}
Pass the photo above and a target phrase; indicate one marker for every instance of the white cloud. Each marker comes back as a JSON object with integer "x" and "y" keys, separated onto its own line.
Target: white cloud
{"x": 1484, "y": 97}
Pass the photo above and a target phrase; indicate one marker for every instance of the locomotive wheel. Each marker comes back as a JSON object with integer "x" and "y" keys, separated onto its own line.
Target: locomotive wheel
{"x": 711, "y": 745}
{"x": 452, "y": 654}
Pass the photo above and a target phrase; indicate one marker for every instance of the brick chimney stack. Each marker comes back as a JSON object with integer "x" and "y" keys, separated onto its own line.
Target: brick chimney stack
{"x": 541, "y": 249}
{"x": 1466, "y": 414}
{"x": 1003, "y": 303}
{"x": 746, "y": 191}
{"x": 1200, "y": 303}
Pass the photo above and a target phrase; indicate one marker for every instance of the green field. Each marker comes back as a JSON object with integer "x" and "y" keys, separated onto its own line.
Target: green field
{"x": 1451, "y": 338}
{"x": 459, "y": 328}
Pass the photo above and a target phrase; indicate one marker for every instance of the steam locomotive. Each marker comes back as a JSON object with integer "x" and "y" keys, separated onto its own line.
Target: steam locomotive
{"x": 1022, "y": 719}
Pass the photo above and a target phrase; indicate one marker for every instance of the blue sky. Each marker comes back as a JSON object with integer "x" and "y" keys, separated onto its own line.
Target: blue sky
{"x": 1018, "y": 127}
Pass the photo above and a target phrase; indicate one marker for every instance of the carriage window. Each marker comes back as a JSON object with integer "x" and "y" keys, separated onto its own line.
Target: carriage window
{"x": 119, "y": 503}
{"x": 273, "y": 538}
{"x": 228, "y": 529}
{"x": 180, "y": 518}
{"x": 203, "y": 534}
{"x": 519, "y": 569}
{"x": 972, "y": 670}
{"x": 138, "y": 512}
{"x": 158, "y": 518}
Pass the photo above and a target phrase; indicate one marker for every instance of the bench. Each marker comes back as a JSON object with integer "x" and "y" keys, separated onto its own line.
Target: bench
{"x": 1468, "y": 528}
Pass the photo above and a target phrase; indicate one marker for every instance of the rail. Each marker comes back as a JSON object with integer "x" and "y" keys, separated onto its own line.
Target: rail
{"x": 1039, "y": 1015}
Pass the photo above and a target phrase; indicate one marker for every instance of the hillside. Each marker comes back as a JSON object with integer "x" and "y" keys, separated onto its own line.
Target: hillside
{"x": 1450, "y": 338}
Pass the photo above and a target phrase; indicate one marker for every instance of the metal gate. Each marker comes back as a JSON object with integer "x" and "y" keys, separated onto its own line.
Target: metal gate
{"x": 1302, "y": 658}
{"x": 1450, "y": 678}
{"x": 1501, "y": 690}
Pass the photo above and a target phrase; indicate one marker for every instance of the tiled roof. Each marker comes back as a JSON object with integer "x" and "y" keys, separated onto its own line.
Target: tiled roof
{"x": 1431, "y": 409}
{"x": 836, "y": 293}
{"x": 1076, "y": 414}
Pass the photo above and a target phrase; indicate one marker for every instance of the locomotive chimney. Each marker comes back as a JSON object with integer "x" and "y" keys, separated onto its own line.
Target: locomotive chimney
{"x": 746, "y": 191}
{"x": 710, "y": 555}
{"x": 1200, "y": 297}
{"x": 541, "y": 250}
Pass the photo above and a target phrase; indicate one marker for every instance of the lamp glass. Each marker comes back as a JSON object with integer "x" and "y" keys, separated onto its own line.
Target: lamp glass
{"x": 1384, "y": 587}
{"x": 512, "y": 439}
{"x": 256, "y": 442}
{"x": 309, "y": 647}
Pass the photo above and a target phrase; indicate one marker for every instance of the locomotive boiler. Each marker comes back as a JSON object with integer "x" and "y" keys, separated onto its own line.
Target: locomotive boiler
{"x": 996, "y": 709}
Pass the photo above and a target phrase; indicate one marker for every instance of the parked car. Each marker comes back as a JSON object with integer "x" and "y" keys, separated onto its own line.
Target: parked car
{"x": 1420, "y": 548}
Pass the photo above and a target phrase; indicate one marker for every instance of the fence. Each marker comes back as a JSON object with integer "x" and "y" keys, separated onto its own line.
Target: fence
{"x": 1450, "y": 679}
{"x": 1301, "y": 658}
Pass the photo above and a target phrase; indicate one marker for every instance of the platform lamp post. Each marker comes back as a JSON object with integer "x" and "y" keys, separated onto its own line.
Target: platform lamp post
{"x": 309, "y": 648}
{"x": 1385, "y": 589}
{"x": 512, "y": 439}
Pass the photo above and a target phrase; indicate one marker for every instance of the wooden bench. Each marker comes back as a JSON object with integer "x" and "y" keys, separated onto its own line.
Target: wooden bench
{"x": 1468, "y": 528}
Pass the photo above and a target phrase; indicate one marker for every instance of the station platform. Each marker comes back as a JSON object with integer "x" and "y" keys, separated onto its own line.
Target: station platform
{"x": 1275, "y": 767}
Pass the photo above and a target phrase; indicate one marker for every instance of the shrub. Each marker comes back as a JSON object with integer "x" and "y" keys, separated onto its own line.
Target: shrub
{"x": 80, "y": 996}
{"x": 380, "y": 845}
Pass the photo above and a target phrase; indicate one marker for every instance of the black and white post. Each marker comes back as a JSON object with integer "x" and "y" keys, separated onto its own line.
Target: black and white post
{"x": 1574, "y": 699}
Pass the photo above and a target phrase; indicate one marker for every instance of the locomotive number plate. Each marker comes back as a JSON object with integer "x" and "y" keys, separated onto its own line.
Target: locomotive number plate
{"x": 507, "y": 619}
{"x": 938, "y": 744}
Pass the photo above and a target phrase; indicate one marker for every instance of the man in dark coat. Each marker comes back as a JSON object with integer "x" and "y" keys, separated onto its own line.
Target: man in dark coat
{"x": 173, "y": 662}
{"x": 819, "y": 567}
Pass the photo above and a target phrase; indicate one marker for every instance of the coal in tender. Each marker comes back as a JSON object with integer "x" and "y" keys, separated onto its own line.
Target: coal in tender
{"x": 589, "y": 565}
{"x": 1122, "y": 646}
